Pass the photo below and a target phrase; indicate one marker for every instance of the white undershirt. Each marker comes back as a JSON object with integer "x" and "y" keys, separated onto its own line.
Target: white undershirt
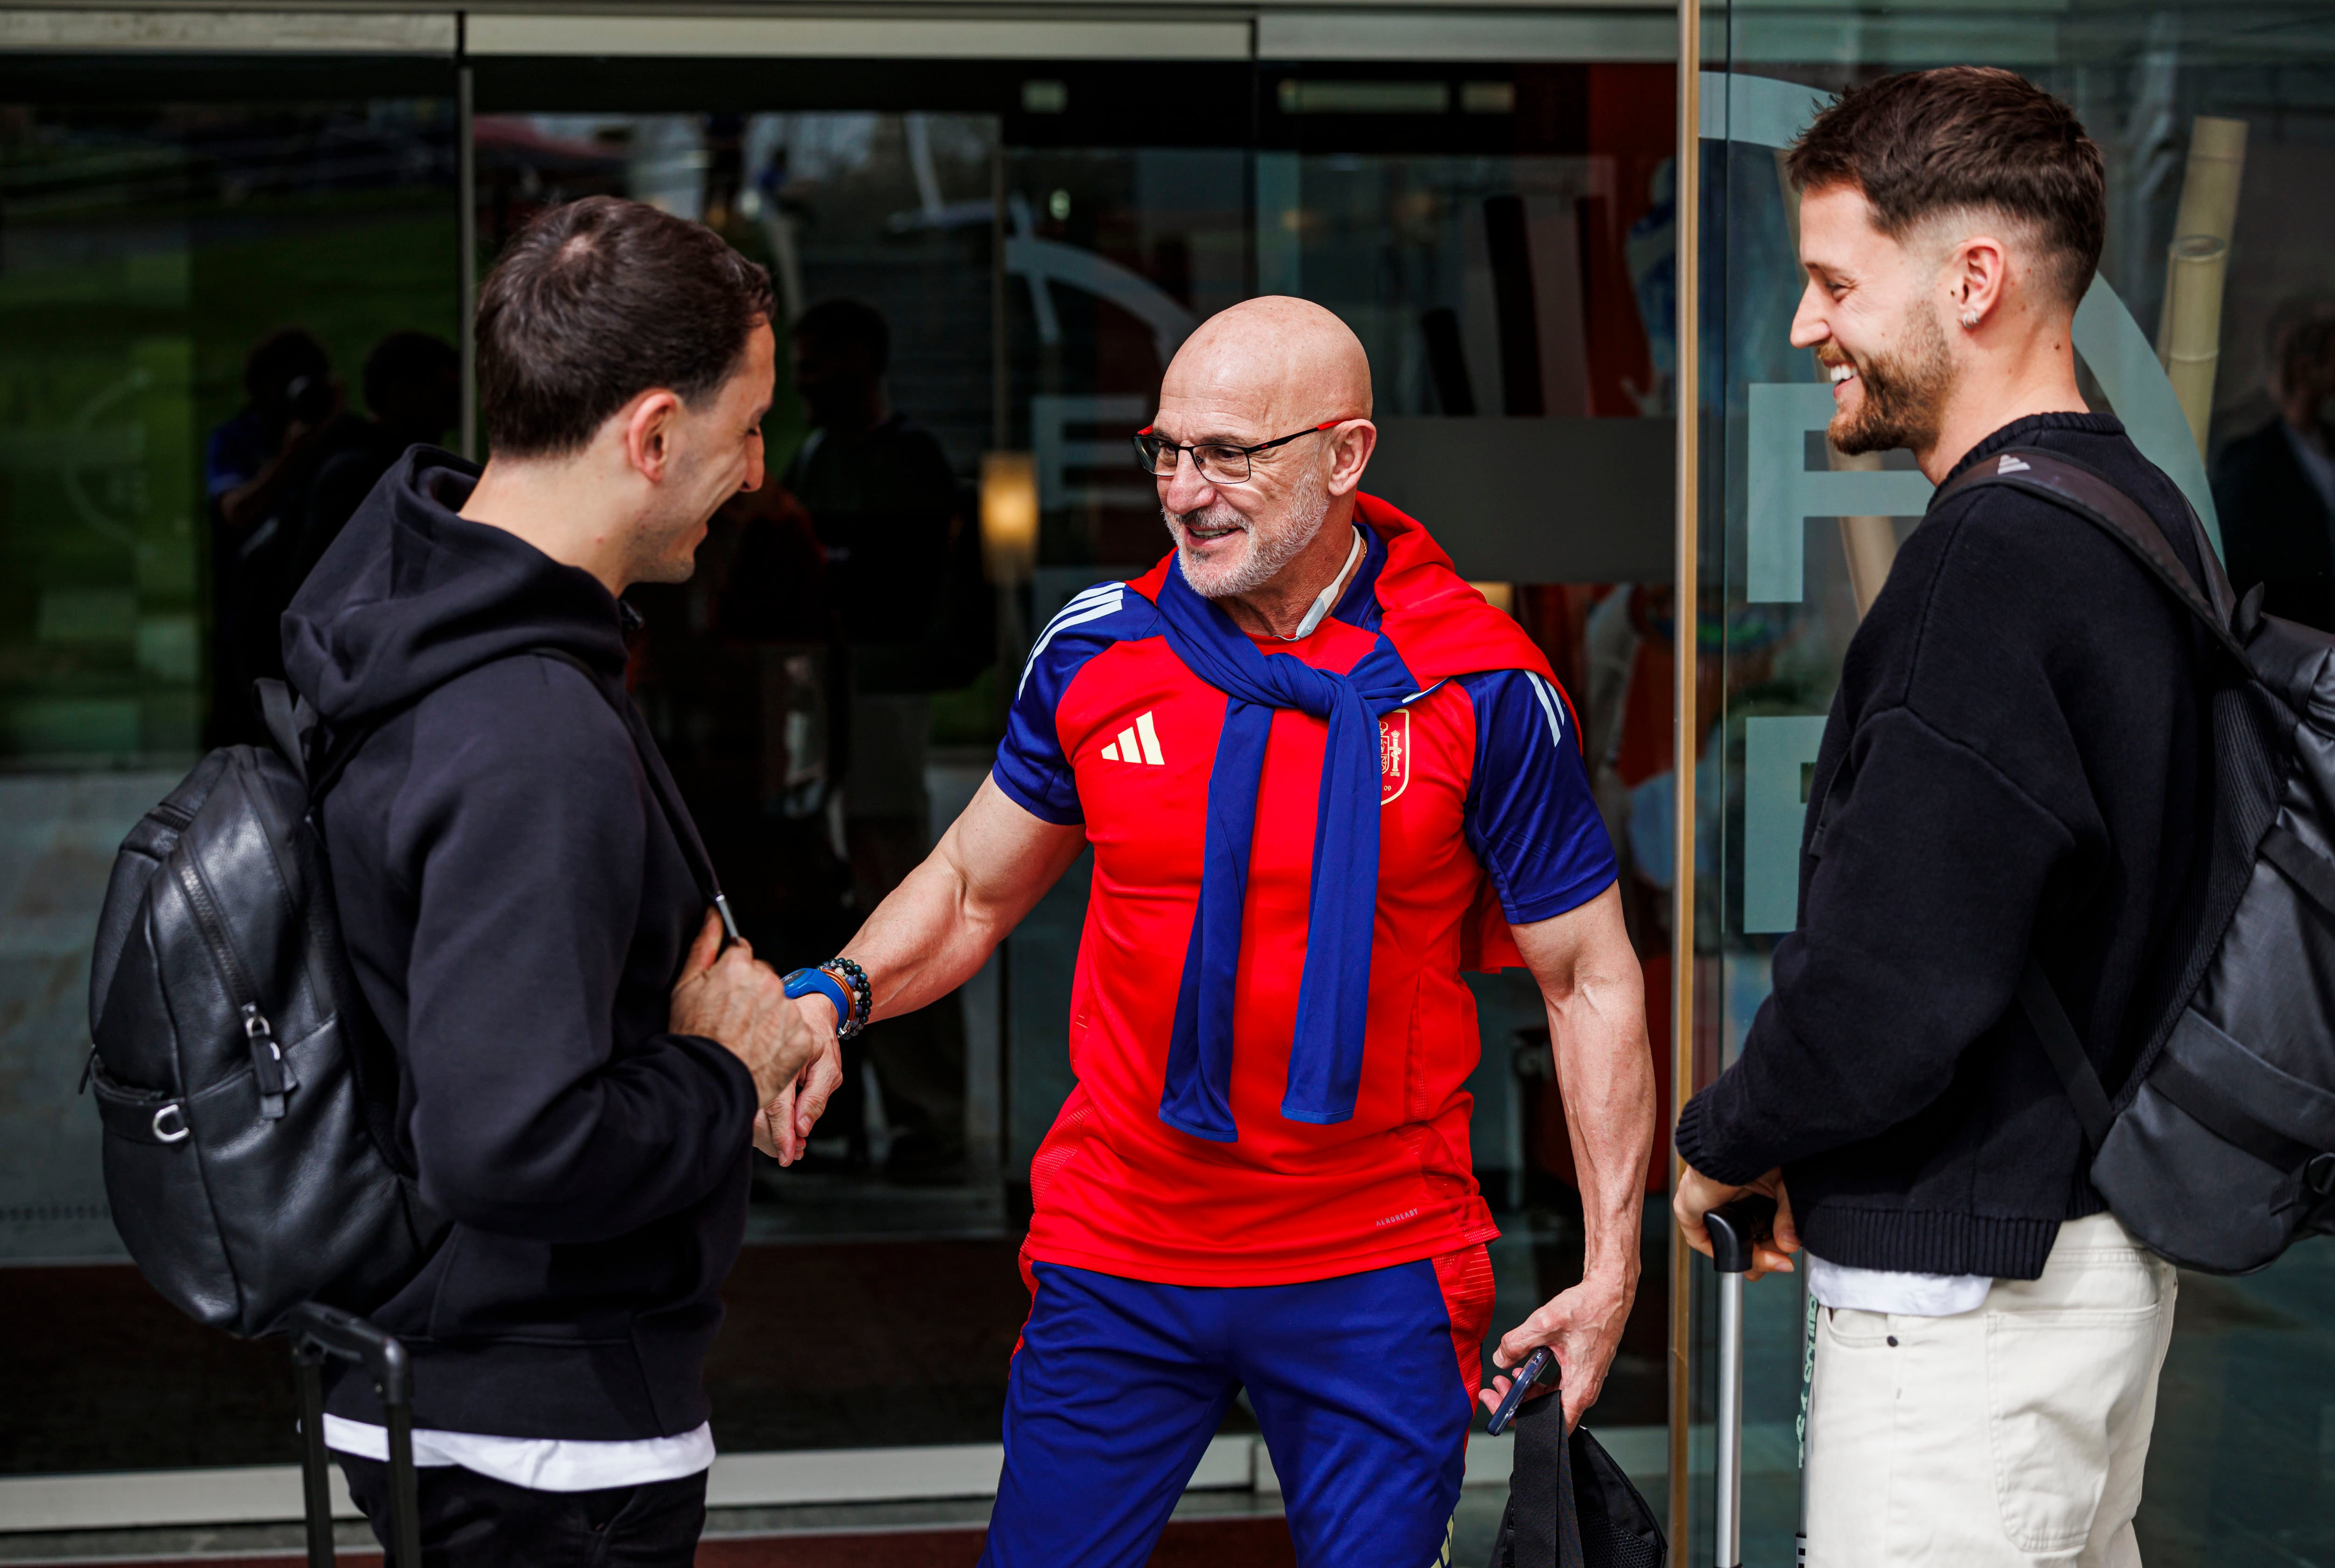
{"x": 1327, "y": 599}
{"x": 538, "y": 1464}
{"x": 1908, "y": 1295}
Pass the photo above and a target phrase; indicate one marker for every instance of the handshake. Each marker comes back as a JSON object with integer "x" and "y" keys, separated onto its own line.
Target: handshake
{"x": 735, "y": 1000}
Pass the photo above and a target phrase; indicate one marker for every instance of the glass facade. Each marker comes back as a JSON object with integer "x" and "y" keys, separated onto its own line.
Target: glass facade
{"x": 157, "y": 226}
{"x": 205, "y": 259}
{"x": 2220, "y": 141}
{"x": 1037, "y": 238}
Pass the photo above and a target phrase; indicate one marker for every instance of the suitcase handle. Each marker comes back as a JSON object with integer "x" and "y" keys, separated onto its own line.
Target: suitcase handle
{"x": 1735, "y": 1228}
{"x": 318, "y": 1331}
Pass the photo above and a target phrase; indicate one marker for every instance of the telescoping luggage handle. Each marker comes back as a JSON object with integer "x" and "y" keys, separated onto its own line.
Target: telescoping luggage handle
{"x": 1733, "y": 1228}
{"x": 319, "y": 1331}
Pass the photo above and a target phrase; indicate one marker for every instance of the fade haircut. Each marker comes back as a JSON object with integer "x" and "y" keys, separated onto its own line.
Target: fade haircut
{"x": 1967, "y": 139}
{"x": 597, "y": 301}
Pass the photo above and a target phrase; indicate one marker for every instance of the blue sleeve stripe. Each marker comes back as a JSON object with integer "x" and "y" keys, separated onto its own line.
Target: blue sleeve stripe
{"x": 1104, "y": 599}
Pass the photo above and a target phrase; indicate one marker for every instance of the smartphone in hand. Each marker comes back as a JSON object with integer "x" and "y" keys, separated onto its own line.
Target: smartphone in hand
{"x": 1520, "y": 1382}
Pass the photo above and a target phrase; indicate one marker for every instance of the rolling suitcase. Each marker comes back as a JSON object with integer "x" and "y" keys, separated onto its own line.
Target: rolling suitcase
{"x": 1733, "y": 1228}
{"x": 319, "y": 1331}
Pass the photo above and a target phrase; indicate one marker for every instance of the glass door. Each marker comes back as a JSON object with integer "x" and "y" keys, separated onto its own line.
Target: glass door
{"x": 219, "y": 277}
{"x": 2217, "y": 138}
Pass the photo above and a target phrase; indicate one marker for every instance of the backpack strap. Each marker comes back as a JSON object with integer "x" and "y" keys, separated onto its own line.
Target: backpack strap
{"x": 2091, "y": 495}
{"x": 279, "y": 714}
{"x": 2049, "y": 1018}
{"x": 277, "y": 709}
{"x": 660, "y": 784}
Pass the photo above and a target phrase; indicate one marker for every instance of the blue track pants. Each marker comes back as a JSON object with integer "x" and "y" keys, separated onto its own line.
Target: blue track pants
{"x": 1364, "y": 1385}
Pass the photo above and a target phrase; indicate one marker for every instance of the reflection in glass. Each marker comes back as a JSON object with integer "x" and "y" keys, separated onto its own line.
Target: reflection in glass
{"x": 148, "y": 246}
{"x": 2216, "y": 144}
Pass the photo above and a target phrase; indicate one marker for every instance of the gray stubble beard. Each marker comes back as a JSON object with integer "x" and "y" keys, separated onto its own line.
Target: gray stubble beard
{"x": 1268, "y": 553}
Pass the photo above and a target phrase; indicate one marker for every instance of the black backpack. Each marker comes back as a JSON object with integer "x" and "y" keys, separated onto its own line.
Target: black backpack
{"x": 2218, "y": 1151}
{"x": 247, "y": 1096}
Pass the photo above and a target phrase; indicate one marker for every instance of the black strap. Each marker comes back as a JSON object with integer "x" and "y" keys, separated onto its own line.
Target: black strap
{"x": 275, "y": 706}
{"x": 2213, "y": 1109}
{"x": 1543, "y": 1525}
{"x": 281, "y": 720}
{"x": 660, "y": 784}
{"x": 2301, "y": 866}
{"x": 2060, "y": 1043}
{"x": 2091, "y": 495}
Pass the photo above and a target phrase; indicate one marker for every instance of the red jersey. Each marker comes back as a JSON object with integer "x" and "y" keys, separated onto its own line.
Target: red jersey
{"x": 1482, "y": 792}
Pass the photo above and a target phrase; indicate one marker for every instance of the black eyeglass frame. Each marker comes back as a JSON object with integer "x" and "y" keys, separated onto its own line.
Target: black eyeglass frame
{"x": 1148, "y": 458}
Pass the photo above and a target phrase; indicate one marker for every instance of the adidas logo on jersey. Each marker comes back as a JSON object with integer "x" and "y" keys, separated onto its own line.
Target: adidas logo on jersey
{"x": 1138, "y": 743}
{"x": 2012, "y": 465}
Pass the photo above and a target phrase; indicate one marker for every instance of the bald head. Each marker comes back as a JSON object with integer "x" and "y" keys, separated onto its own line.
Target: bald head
{"x": 1276, "y": 362}
{"x": 1270, "y": 403}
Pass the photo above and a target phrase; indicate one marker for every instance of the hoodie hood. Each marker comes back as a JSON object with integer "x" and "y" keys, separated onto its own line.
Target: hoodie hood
{"x": 410, "y": 594}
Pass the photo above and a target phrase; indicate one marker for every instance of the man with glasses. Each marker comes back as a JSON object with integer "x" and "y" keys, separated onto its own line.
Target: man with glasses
{"x": 1320, "y": 776}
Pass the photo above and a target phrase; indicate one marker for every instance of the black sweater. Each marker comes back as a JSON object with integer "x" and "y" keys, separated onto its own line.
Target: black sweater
{"x": 2019, "y": 748}
{"x": 517, "y": 907}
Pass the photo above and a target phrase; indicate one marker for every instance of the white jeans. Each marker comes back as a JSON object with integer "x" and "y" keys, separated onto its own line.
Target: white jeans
{"x": 2012, "y": 1435}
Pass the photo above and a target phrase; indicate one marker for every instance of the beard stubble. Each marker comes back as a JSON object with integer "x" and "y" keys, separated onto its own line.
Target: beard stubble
{"x": 1904, "y": 394}
{"x": 1269, "y": 549}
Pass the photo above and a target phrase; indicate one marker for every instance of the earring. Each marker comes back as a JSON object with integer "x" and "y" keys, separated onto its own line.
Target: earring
{"x": 1970, "y": 319}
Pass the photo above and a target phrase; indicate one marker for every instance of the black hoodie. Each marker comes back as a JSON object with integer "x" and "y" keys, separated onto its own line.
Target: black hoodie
{"x": 517, "y": 906}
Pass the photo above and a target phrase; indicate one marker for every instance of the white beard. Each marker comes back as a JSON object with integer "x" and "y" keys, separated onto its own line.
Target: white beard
{"x": 1267, "y": 553}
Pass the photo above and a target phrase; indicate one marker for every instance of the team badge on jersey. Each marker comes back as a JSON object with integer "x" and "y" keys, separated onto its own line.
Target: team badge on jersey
{"x": 1394, "y": 754}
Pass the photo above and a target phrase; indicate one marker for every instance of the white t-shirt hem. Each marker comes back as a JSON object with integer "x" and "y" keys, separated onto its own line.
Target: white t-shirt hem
{"x": 1908, "y": 1295}
{"x": 537, "y": 1464}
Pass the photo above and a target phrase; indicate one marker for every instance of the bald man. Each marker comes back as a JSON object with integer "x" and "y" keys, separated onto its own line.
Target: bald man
{"x": 1319, "y": 775}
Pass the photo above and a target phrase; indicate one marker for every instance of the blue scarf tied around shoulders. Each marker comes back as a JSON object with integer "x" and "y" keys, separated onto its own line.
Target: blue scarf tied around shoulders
{"x": 1325, "y": 1059}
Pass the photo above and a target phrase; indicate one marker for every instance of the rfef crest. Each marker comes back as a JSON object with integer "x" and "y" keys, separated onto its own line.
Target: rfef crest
{"x": 1394, "y": 754}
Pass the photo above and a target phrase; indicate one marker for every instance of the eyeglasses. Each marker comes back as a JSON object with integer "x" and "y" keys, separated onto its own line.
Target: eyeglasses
{"x": 1218, "y": 463}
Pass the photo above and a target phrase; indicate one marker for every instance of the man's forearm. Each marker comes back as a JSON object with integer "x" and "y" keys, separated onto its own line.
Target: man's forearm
{"x": 937, "y": 928}
{"x": 1606, "y": 1071}
{"x": 1596, "y": 998}
{"x": 930, "y": 936}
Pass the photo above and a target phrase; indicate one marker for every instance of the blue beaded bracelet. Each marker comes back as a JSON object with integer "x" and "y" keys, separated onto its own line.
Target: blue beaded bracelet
{"x": 803, "y": 982}
{"x": 863, "y": 993}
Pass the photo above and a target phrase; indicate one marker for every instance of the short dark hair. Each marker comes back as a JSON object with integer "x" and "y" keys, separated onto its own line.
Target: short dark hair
{"x": 848, "y": 326}
{"x": 1966, "y": 136}
{"x": 597, "y": 301}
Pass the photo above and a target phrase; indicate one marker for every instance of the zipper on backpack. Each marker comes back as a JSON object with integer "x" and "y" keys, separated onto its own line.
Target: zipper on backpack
{"x": 272, "y": 1072}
